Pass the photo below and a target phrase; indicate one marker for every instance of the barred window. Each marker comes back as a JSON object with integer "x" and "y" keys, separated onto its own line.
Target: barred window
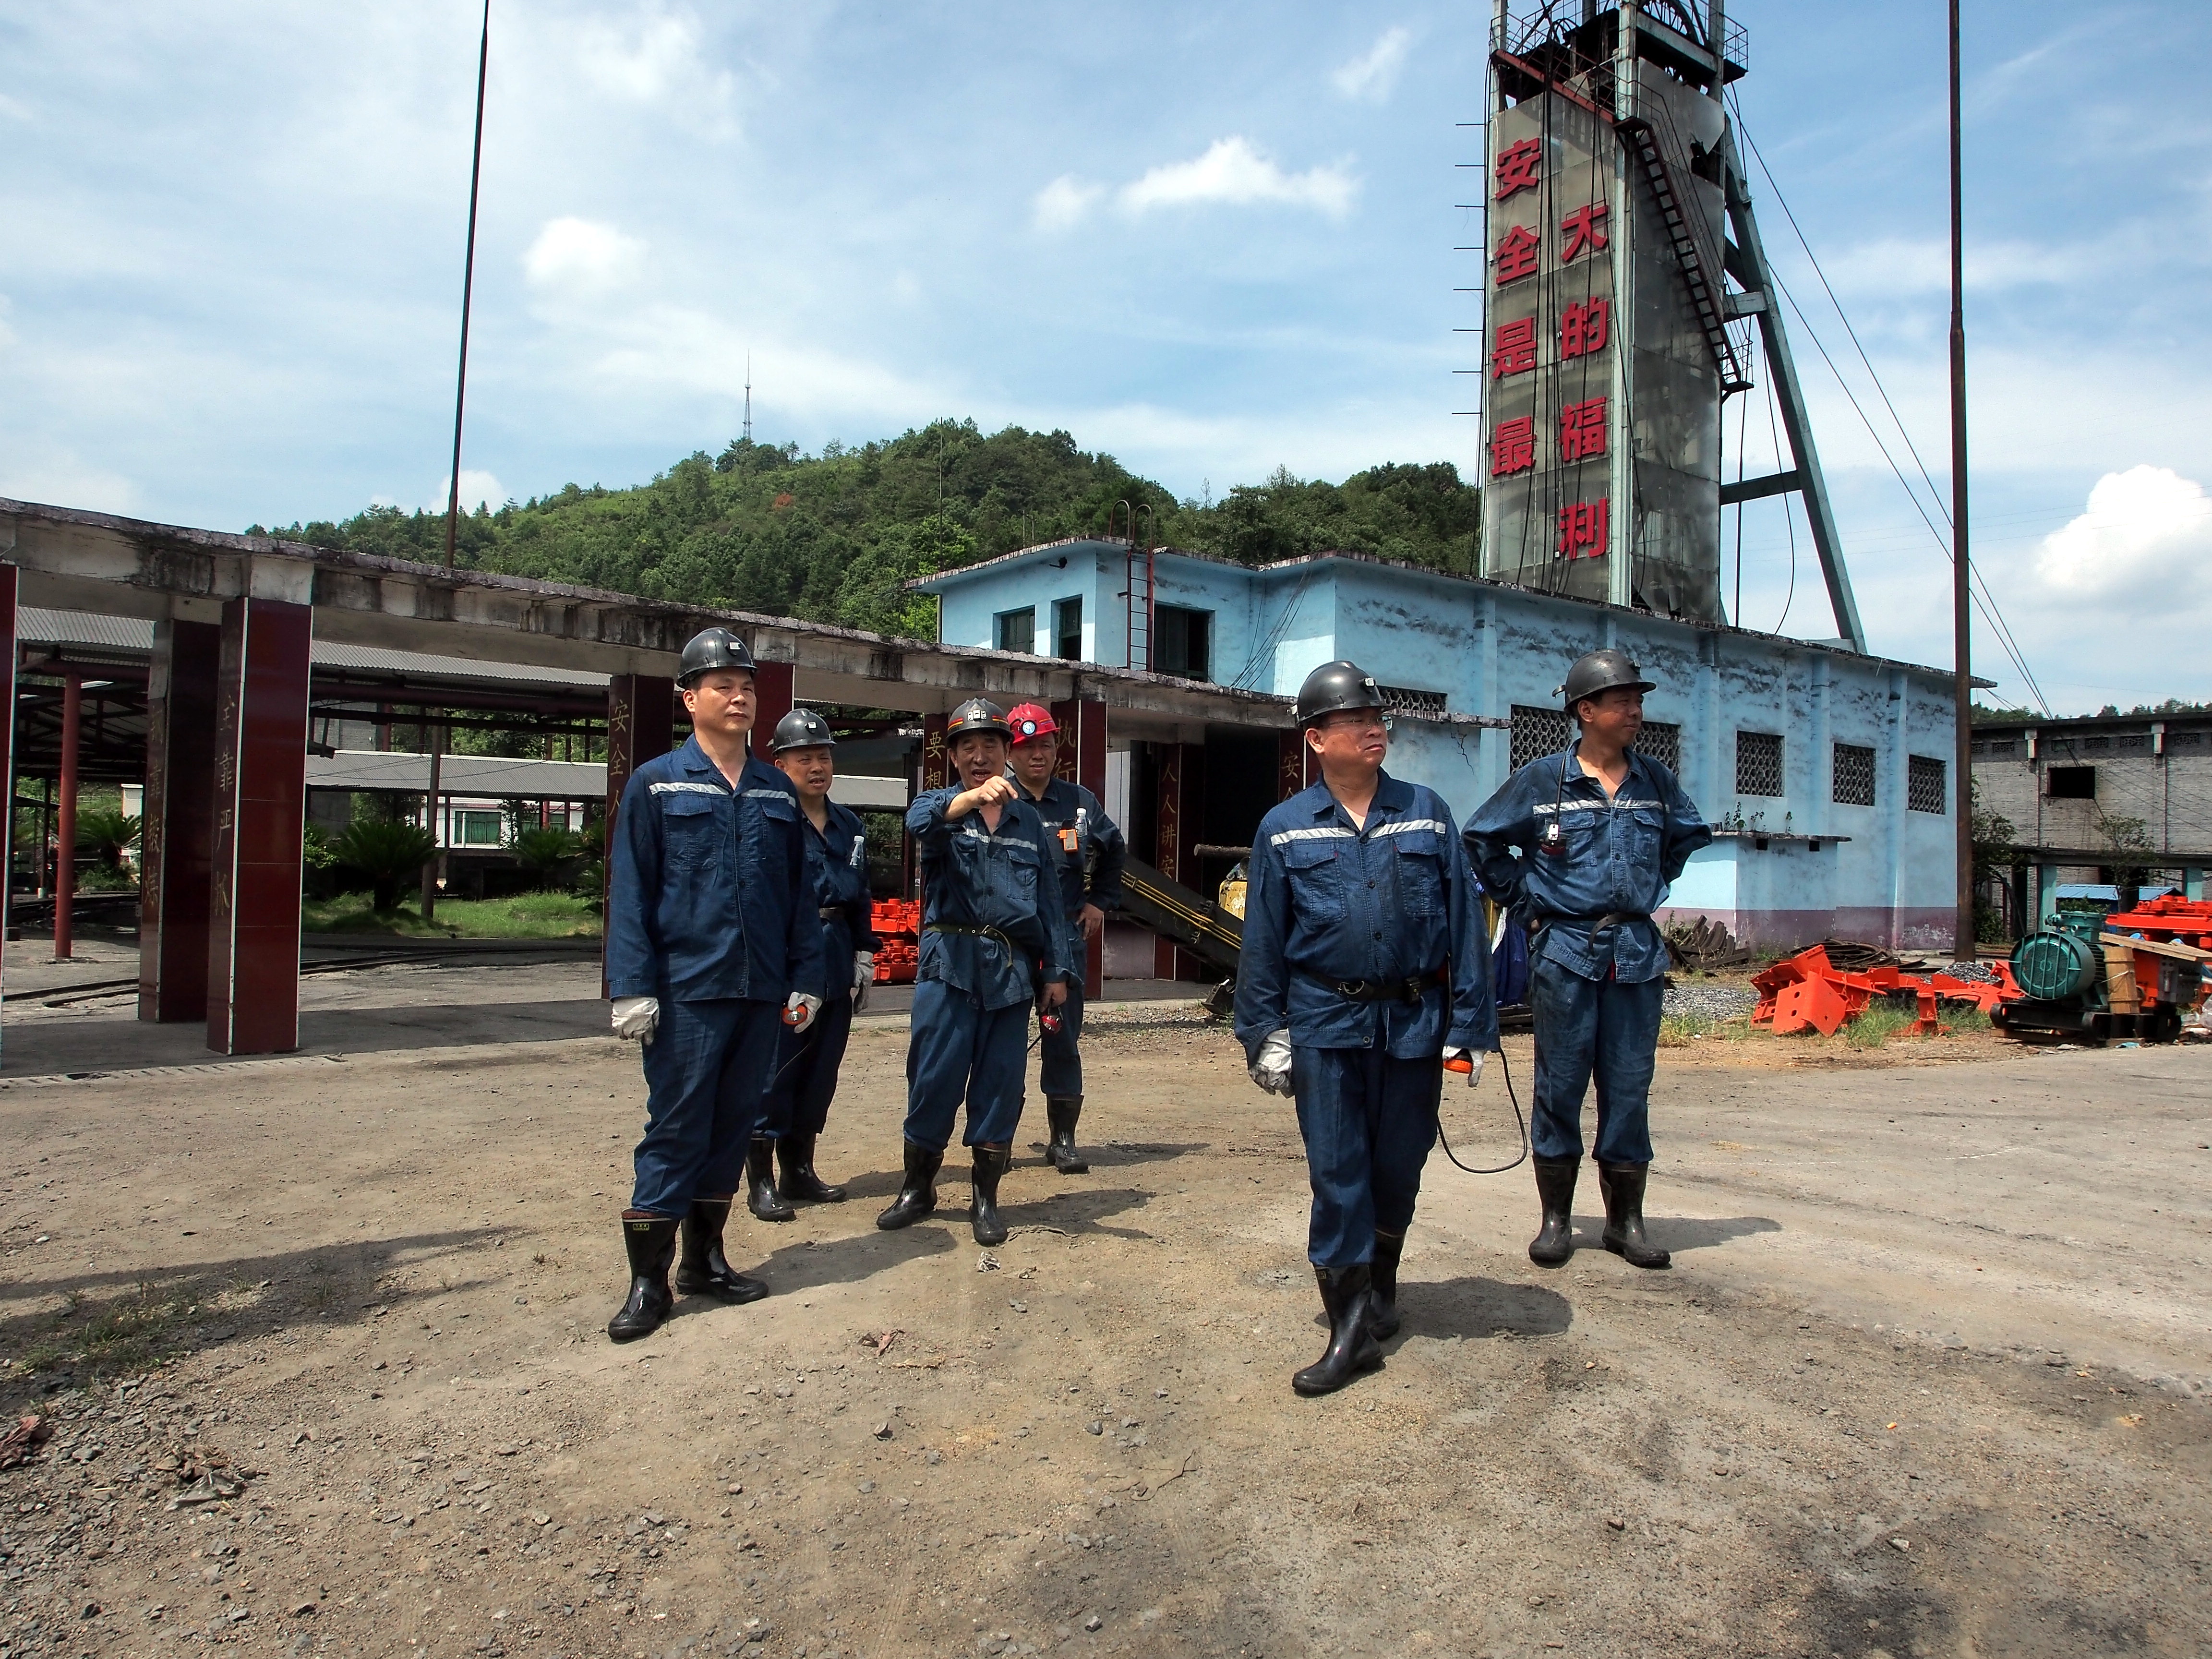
{"x": 1421, "y": 705}
{"x": 1759, "y": 763}
{"x": 1925, "y": 787}
{"x": 1538, "y": 731}
{"x": 1663, "y": 743}
{"x": 2137, "y": 743}
{"x": 1996, "y": 748}
{"x": 1852, "y": 775}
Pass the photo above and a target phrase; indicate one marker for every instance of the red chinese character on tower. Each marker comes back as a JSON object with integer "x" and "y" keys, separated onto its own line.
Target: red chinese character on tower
{"x": 1514, "y": 350}
{"x": 1583, "y": 231}
{"x": 1513, "y": 446}
{"x": 1583, "y": 529}
{"x": 1518, "y": 167}
{"x": 1584, "y": 329}
{"x": 1517, "y": 255}
{"x": 1581, "y": 430}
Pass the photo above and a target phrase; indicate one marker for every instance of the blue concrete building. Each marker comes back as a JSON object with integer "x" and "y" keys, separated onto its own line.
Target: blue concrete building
{"x": 1827, "y": 771}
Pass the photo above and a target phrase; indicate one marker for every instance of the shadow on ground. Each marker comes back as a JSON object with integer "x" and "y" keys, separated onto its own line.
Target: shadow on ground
{"x": 1478, "y": 1306}
{"x": 114, "y": 1323}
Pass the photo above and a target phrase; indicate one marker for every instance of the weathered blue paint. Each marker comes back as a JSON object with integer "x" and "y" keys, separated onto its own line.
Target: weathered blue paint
{"x": 1880, "y": 872}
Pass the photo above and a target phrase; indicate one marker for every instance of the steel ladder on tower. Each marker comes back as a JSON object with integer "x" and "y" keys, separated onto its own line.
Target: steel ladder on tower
{"x": 1704, "y": 292}
{"x": 1138, "y": 591}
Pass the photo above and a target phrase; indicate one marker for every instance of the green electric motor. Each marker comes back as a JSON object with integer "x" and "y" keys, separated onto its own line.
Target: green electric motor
{"x": 2057, "y": 965}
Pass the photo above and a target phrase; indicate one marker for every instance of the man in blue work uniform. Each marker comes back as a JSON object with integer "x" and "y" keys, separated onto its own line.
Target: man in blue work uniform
{"x": 710, "y": 946}
{"x": 1584, "y": 845}
{"x": 806, "y": 1067}
{"x": 1087, "y": 853}
{"x": 992, "y": 944}
{"x": 1364, "y": 969}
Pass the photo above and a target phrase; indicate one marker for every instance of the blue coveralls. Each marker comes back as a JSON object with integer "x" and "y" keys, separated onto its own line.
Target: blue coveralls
{"x": 992, "y": 934}
{"x": 1596, "y": 991}
{"x": 1327, "y": 907}
{"x": 1086, "y": 849}
{"x": 807, "y": 1062}
{"x": 706, "y": 912}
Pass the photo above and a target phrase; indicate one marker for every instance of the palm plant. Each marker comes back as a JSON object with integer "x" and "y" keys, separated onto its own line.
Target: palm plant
{"x": 389, "y": 854}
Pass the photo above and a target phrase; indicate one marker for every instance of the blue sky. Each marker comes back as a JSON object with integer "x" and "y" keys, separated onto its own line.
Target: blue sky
{"x": 1213, "y": 241}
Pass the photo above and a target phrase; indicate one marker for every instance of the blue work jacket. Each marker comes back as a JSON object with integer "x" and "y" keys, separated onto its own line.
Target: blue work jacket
{"x": 1617, "y": 858}
{"x": 709, "y": 889}
{"x": 837, "y": 859}
{"x": 1327, "y": 904}
{"x": 976, "y": 878}
{"x": 1085, "y": 845}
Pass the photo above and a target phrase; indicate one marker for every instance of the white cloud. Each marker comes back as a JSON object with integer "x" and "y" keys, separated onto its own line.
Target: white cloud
{"x": 580, "y": 258}
{"x": 662, "y": 63}
{"x": 1064, "y": 202}
{"x": 2148, "y": 531}
{"x": 1371, "y": 76}
{"x": 1234, "y": 172}
{"x": 478, "y": 489}
{"x": 1894, "y": 266}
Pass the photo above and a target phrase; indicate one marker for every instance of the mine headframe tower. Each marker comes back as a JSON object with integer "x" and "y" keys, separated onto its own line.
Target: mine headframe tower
{"x": 1617, "y": 211}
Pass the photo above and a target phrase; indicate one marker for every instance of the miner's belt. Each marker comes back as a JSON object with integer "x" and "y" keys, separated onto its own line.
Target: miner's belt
{"x": 831, "y": 912}
{"x": 958, "y": 932}
{"x": 1604, "y": 924}
{"x": 1407, "y": 990}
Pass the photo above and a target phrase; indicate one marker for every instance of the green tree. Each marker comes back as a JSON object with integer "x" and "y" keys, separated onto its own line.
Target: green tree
{"x": 389, "y": 854}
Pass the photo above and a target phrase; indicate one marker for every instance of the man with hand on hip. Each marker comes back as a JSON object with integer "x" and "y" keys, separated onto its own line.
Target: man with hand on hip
{"x": 711, "y": 941}
{"x": 1364, "y": 969}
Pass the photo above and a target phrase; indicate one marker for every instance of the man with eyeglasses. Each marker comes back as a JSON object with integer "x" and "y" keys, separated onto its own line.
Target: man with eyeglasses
{"x": 1364, "y": 969}
{"x": 711, "y": 936}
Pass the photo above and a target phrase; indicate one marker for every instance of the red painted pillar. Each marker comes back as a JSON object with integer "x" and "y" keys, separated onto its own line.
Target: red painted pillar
{"x": 65, "y": 820}
{"x": 260, "y": 812}
{"x": 177, "y": 845}
{"x": 771, "y": 703}
{"x": 1181, "y": 797}
{"x": 640, "y": 723}
{"x": 1082, "y": 760}
{"x": 8, "y": 743}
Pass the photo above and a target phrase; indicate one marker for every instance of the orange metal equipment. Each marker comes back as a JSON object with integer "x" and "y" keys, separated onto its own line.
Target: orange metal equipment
{"x": 1808, "y": 992}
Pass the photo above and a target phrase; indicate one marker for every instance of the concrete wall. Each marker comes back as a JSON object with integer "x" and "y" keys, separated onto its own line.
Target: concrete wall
{"x": 1882, "y": 873}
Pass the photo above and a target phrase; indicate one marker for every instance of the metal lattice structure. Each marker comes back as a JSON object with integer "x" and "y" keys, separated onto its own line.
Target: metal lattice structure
{"x": 1537, "y": 731}
{"x": 1759, "y": 763}
{"x": 1663, "y": 743}
{"x": 1852, "y": 775}
{"x": 1925, "y": 789}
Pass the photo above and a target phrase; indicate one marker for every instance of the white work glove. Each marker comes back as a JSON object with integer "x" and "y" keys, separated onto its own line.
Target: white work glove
{"x": 864, "y": 978}
{"x": 1474, "y": 1057}
{"x": 799, "y": 1009}
{"x": 1272, "y": 1070}
{"x": 636, "y": 1017}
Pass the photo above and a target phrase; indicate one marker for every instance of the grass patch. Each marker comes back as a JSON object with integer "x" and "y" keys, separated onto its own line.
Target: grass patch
{"x": 1679, "y": 1030}
{"x": 524, "y": 915}
{"x": 110, "y": 1338}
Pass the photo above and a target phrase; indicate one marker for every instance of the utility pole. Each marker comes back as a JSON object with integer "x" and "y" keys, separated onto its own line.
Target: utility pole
{"x": 749, "y": 400}
{"x": 1962, "y": 650}
{"x": 435, "y": 862}
{"x": 468, "y": 288}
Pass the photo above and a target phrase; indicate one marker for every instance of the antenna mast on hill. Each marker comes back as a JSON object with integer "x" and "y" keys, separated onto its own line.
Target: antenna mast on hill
{"x": 749, "y": 397}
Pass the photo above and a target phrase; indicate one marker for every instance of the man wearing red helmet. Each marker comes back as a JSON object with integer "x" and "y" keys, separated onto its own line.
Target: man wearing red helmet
{"x": 1087, "y": 850}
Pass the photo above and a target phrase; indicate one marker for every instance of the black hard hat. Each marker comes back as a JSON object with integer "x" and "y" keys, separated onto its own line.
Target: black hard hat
{"x": 712, "y": 649}
{"x": 1336, "y": 687}
{"x": 976, "y": 714}
{"x": 1601, "y": 671}
{"x": 802, "y": 728}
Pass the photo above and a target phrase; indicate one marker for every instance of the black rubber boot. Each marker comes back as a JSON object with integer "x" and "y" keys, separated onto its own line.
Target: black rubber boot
{"x": 703, "y": 1270}
{"x": 1555, "y": 1187}
{"x": 1623, "y": 1186}
{"x": 795, "y": 1155}
{"x": 760, "y": 1182}
{"x": 650, "y": 1243}
{"x": 1351, "y": 1345}
{"x": 1382, "y": 1286}
{"x": 918, "y": 1192}
{"x": 983, "y": 1195}
{"x": 1061, "y": 1112}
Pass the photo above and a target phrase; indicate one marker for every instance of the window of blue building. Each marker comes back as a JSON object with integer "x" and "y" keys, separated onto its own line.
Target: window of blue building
{"x": 1017, "y": 630}
{"x": 1067, "y": 628}
{"x": 1182, "y": 642}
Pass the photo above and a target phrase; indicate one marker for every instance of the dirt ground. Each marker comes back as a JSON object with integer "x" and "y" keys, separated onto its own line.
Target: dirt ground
{"x": 321, "y": 1340}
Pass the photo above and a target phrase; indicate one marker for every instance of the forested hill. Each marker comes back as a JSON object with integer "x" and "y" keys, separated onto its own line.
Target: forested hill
{"x": 834, "y": 536}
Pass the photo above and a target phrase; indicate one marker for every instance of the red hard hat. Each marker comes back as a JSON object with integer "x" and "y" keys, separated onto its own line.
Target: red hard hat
{"x": 1029, "y": 720}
